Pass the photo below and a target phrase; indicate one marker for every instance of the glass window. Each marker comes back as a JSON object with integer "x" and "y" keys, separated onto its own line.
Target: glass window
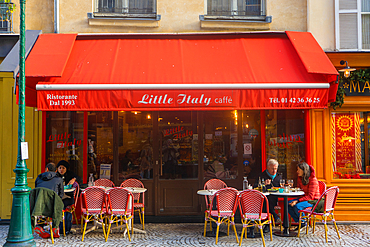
{"x": 350, "y": 138}
{"x": 135, "y": 145}
{"x": 353, "y": 27}
{"x": 251, "y": 8}
{"x": 285, "y": 140}
{"x": 252, "y": 158}
{"x": 64, "y": 139}
{"x": 220, "y": 144}
{"x": 126, "y": 6}
{"x": 178, "y": 144}
{"x": 100, "y": 139}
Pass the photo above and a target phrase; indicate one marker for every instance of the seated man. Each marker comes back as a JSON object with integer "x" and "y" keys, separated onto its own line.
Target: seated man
{"x": 272, "y": 179}
{"x": 50, "y": 180}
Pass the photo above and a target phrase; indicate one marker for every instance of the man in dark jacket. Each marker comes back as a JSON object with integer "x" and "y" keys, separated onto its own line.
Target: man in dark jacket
{"x": 272, "y": 179}
{"x": 49, "y": 179}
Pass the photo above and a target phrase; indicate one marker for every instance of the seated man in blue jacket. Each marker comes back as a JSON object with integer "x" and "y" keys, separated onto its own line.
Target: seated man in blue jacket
{"x": 50, "y": 180}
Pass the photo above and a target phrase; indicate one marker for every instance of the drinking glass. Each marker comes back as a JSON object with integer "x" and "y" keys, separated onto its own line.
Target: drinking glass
{"x": 290, "y": 183}
{"x": 282, "y": 183}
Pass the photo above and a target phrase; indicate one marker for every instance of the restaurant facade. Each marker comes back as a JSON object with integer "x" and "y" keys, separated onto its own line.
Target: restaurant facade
{"x": 175, "y": 110}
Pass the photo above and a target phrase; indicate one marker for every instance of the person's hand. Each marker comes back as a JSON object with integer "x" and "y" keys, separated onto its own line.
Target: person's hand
{"x": 293, "y": 203}
{"x": 267, "y": 181}
{"x": 72, "y": 181}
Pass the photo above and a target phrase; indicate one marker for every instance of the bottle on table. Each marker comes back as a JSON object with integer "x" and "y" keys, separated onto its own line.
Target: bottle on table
{"x": 259, "y": 188}
{"x": 245, "y": 183}
{"x": 91, "y": 180}
{"x": 263, "y": 186}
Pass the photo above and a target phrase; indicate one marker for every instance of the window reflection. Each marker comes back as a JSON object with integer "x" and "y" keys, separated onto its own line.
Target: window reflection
{"x": 220, "y": 144}
{"x": 178, "y": 145}
{"x": 64, "y": 139}
{"x": 285, "y": 140}
{"x": 135, "y": 145}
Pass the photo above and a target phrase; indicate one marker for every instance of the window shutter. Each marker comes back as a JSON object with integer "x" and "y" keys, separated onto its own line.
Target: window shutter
{"x": 347, "y": 4}
{"x": 348, "y": 31}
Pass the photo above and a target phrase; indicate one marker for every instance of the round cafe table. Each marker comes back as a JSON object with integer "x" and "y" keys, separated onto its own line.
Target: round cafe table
{"x": 285, "y": 195}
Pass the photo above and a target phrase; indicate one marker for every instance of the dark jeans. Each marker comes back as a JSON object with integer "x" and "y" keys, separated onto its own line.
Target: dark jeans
{"x": 293, "y": 211}
{"x": 67, "y": 222}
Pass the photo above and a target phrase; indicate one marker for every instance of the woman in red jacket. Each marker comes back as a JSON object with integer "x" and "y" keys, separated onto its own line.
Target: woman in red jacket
{"x": 307, "y": 181}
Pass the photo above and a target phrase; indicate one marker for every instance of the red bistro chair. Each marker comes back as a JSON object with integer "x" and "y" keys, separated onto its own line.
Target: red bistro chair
{"x": 251, "y": 204}
{"x": 139, "y": 202}
{"x": 212, "y": 184}
{"x": 119, "y": 208}
{"x": 330, "y": 198}
{"x": 104, "y": 182}
{"x": 72, "y": 208}
{"x": 226, "y": 205}
{"x": 93, "y": 208}
{"x": 322, "y": 189}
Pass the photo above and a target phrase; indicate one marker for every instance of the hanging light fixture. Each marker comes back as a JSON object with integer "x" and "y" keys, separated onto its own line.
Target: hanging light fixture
{"x": 346, "y": 70}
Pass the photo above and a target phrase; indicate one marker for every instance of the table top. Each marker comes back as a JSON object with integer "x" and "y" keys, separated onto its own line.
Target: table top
{"x": 206, "y": 192}
{"x": 288, "y": 194}
{"x": 212, "y": 192}
{"x": 69, "y": 190}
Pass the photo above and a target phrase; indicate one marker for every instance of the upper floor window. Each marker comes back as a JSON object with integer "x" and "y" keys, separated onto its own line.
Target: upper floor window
{"x": 249, "y": 9}
{"x": 352, "y": 24}
{"x": 125, "y": 8}
{"x": 6, "y": 16}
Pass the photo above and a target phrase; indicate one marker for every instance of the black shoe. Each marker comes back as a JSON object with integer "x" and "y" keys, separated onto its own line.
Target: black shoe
{"x": 266, "y": 229}
{"x": 303, "y": 225}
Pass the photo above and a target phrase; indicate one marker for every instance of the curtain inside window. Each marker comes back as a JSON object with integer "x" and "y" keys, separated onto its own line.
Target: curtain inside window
{"x": 365, "y": 19}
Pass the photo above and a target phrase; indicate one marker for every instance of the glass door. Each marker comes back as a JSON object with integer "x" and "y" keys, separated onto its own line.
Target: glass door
{"x": 177, "y": 181}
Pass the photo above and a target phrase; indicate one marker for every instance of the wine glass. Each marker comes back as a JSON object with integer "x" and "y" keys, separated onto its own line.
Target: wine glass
{"x": 282, "y": 183}
{"x": 290, "y": 183}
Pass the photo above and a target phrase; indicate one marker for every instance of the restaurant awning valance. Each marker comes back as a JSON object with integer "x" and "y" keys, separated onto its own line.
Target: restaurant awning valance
{"x": 179, "y": 72}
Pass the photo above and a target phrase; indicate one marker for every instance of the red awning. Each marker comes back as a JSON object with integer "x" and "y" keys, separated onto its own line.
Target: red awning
{"x": 182, "y": 72}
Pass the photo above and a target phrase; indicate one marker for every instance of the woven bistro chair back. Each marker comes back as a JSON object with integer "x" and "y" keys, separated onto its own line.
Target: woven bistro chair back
{"x": 104, "y": 182}
{"x": 251, "y": 203}
{"x": 118, "y": 201}
{"x": 213, "y": 184}
{"x": 226, "y": 200}
{"x": 322, "y": 187}
{"x": 134, "y": 183}
{"x": 94, "y": 200}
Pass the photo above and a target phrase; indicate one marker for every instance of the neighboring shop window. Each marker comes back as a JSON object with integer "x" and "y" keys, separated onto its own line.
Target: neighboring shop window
{"x": 100, "y": 149}
{"x": 64, "y": 139}
{"x": 350, "y": 144}
{"x": 285, "y": 140}
{"x": 252, "y": 159}
{"x": 178, "y": 148}
{"x": 220, "y": 144}
{"x": 135, "y": 145}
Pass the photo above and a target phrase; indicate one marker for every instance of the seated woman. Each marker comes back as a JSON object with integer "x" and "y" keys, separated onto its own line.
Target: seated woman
{"x": 69, "y": 177}
{"x": 307, "y": 181}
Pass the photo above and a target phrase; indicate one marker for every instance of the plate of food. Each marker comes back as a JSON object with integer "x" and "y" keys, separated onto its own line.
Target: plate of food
{"x": 273, "y": 190}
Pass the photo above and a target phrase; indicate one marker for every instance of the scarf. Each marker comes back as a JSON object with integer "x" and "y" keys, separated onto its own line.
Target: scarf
{"x": 272, "y": 176}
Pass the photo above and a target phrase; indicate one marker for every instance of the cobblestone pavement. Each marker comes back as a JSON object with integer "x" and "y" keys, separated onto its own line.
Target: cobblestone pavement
{"x": 190, "y": 234}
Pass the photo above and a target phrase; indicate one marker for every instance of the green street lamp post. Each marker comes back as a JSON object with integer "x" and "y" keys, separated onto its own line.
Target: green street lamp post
{"x": 20, "y": 231}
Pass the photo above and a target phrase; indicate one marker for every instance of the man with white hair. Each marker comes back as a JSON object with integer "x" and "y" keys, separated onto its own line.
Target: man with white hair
{"x": 272, "y": 179}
